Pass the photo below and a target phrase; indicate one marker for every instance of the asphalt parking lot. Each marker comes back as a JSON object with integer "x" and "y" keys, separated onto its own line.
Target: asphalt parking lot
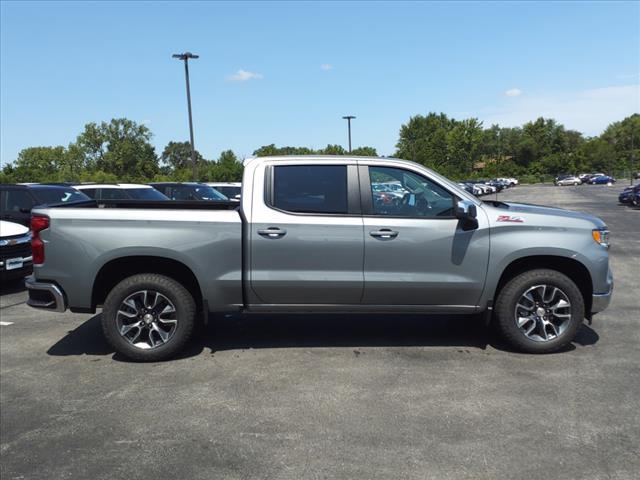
{"x": 296, "y": 397}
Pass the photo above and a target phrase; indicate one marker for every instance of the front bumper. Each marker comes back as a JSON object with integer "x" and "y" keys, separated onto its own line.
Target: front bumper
{"x": 600, "y": 301}
{"x": 45, "y": 295}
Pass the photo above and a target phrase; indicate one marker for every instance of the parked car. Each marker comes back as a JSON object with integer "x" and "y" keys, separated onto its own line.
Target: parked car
{"x": 308, "y": 236}
{"x": 512, "y": 182}
{"x": 189, "y": 191}
{"x": 17, "y": 200}
{"x": 601, "y": 180}
{"x": 481, "y": 187}
{"x": 15, "y": 251}
{"x": 120, "y": 191}
{"x": 231, "y": 190}
{"x": 568, "y": 180}
{"x": 585, "y": 177}
{"x": 467, "y": 187}
{"x": 628, "y": 194}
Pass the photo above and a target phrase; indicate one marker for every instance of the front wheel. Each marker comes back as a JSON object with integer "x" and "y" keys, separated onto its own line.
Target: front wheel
{"x": 148, "y": 317}
{"x": 539, "y": 311}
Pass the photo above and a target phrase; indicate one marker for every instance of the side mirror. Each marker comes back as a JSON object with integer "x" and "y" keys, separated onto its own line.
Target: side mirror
{"x": 466, "y": 212}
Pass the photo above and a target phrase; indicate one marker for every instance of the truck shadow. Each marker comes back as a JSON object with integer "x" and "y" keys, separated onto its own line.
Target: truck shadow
{"x": 241, "y": 332}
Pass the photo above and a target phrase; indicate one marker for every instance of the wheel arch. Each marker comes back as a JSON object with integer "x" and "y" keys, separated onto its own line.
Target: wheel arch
{"x": 116, "y": 270}
{"x": 571, "y": 267}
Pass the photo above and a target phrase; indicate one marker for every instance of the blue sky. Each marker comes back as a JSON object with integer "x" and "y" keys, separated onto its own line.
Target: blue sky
{"x": 286, "y": 72}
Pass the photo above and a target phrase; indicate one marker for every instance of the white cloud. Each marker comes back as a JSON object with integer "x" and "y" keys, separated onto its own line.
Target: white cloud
{"x": 326, "y": 66}
{"x": 243, "y": 76}
{"x": 513, "y": 92}
{"x": 588, "y": 111}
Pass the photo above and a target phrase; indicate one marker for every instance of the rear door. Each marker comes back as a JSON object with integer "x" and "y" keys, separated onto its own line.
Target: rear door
{"x": 415, "y": 250}
{"x": 306, "y": 235}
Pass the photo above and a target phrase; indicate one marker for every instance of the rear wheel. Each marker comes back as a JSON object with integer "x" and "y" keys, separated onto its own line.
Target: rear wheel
{"x": 539, "y": 311}
{"x": 148, "y": 317}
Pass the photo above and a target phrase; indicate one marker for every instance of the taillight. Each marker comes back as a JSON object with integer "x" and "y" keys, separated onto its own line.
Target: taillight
{"x": 38, "y": 223}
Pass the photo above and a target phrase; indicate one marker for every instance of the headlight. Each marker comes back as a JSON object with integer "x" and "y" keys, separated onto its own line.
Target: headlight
{"x": 601, "y": 236}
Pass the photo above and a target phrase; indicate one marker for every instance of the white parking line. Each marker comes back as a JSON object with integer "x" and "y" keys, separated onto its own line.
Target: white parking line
{"x": 5, "y": 324}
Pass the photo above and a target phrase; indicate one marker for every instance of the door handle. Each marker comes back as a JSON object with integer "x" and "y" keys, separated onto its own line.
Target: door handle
{"x": 384, "y": 234}
{"x": 272, "y": 232}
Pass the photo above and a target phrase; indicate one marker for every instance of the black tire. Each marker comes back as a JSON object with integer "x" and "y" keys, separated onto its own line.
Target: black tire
{"x": 185, "y": 309}
{"x": 505, "y": 317}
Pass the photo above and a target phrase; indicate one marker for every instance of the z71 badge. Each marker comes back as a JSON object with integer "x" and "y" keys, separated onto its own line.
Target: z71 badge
{"x": 509, "y": 218}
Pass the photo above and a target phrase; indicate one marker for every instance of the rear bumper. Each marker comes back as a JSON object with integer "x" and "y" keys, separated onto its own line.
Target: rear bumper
{"x": 24, "y": 270}
{"x": 45, "y": 295}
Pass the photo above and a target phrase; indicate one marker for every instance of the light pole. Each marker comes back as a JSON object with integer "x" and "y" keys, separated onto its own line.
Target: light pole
{"x": 186, "y": 56}
{"x": 348, "y": 118}
{"x": 633, "y": 157}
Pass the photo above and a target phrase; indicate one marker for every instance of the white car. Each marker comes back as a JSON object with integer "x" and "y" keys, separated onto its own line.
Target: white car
{"x": 231, "y": 190}
{"x": 571, "y": 180}
{"x": 15, "y": 251}
{"x": 120, "y": 191}
{"x": 511, "y": 181}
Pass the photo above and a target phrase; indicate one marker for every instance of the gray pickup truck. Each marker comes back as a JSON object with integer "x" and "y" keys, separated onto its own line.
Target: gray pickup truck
{"x": 322, "y": 234}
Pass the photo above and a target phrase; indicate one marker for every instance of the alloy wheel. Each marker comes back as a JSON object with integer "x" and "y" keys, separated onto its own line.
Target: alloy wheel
{"x": 146, "y": 319}
{"x": 543, "y": 313}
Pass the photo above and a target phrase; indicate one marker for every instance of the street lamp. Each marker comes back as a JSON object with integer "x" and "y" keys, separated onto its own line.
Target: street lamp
{"x": 348, "y": 118}
{"x": 186, "y": 56}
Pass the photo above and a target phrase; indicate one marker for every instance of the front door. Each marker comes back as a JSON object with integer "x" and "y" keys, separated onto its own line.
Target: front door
{"x": 416, "y": 253}
{"x": 306, "y": 236}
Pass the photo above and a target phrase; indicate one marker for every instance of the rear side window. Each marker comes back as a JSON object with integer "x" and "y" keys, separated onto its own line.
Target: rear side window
{"x": 15, "y": 200}
{"x": 146, "y": 194}
{"x": 310, "y": 188}
{"x": 50, "y": 195}
{"x": 89, "y": 192}
{"x": 113, "y": 194}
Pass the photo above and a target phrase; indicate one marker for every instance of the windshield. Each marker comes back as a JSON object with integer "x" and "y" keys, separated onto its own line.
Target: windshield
{"x": 208, "y": 193}
{"x": 146, "y": 194}
{"x": 49, "y": 195}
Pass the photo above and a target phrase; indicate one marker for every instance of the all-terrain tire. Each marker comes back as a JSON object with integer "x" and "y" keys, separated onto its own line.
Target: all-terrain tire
{"x": 185, "y": 311}
{"x": 508, "y": 297}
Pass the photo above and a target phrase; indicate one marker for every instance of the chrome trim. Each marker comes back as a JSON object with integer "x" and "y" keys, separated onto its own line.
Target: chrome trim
{"x": 58, "y": 304}
{"x": 25, "y": 260}
{"x": 15, "y": 241}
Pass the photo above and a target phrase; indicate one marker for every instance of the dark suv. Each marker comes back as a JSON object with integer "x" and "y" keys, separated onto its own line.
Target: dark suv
{"x": 189, "y": 191}
{"x": 16, "y": 201}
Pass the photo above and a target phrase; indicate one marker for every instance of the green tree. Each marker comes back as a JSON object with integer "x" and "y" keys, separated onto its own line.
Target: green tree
{"x": 177, "y": 155}
{"x": 364, "y": 152}
{"x": 227, "y": 169}
{"x": 332, "y": 150}
{"x": 38, "y": 164}
{"x": 120, "y": 147}
{"x": 272, "y": 151}
{"x": 424, "y": 140}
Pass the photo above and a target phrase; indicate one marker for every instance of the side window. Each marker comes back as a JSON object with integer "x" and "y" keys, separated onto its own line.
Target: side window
{"x": 182, "y": 193}
{"x": 399, "y": 192}
{"x": 113, "y": 194}
{"x": 89, "y": 192}
{"x": 16, "y": 200}
{"x": 310, "y": 188}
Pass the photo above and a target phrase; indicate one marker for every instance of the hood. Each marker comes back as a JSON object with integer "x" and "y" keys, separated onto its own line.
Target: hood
{"x": 534, "y": 213}
{"x": 10, "y": 229}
